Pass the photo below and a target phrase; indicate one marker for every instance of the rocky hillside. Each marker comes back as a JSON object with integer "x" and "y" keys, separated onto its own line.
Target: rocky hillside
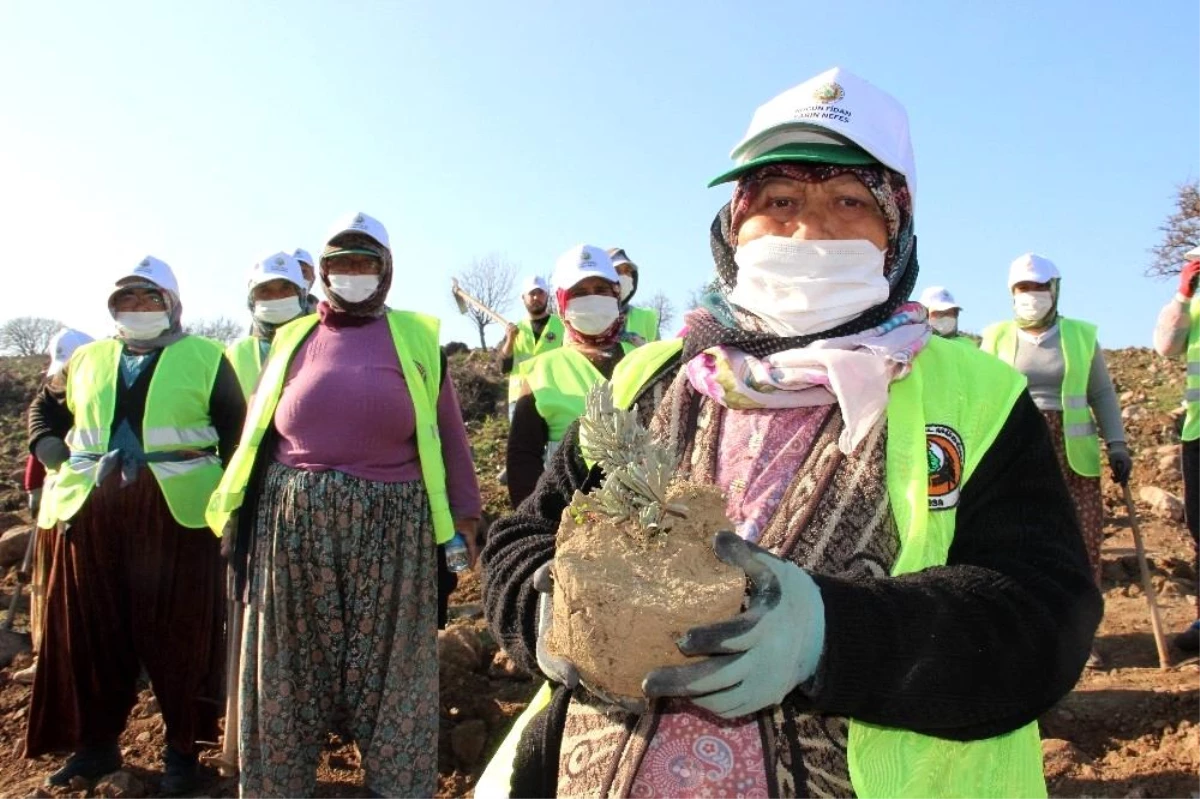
{"x": 1130, "y": 730}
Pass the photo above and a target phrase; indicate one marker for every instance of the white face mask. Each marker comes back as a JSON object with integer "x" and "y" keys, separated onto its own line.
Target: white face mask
{"x": 276, "y": 312}
{"x": 1032, "y": 306}
{"x": 141, "y": 325}
{"x": 944, "y": 325}
{"x": 626, "y": 286}
{"x": 353, "y": 288}
{"x": 591, "y": 315}
{"x": 803, "y": 287}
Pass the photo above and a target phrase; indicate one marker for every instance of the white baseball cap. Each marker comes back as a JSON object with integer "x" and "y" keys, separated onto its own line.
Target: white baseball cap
{"x": 580, "y": 262}
{"x": 303, "y": 257}
{"x": 834, "y": 118}
{"x": 155, "y": 271}
{"x": 1033, "y": 268}
{"x": 534, "y": 282}
{"x": 1193, "y": 254}
{"x": 937, "y": 298}
{"x": 65, "y": 342}
{"x": 277, "y": 266}
{"x": 360, "y": 223}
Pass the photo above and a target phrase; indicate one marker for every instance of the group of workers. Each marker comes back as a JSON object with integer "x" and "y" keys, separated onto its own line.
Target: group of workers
{"x": 919, "y": 523}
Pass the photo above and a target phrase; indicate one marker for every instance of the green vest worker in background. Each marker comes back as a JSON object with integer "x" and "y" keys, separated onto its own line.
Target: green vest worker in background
{"x": 540, "y": 331}
{"x": 908, "y": 618}
{"x": 353, "y": 467}
{"x": 134, "y": 432}
{"x": 641, "y": 323}
{"x": 277, "y": 295}
{"x": 943, "y": 314}
{"x": 309, "y": 270}
{"x": 1070, "y": 384}
{"x": 1178, "y": 333}
{"x": 552, "y": 386}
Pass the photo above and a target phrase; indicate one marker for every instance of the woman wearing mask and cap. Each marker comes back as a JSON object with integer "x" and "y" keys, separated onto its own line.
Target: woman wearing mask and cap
{"x": 943, "y": 314}
{"x": 139, "y": 428}
{"x": 308, "y": 268}
{"x": 277, "y": 291}
{"x": 62, "y": 345}
{"x": 641, "y": 324}
{"x": 354, "y": 466}
{"x": 552, "y": 386}
{"x": 1070, "y": 384}
{"x": 908, "y": 618}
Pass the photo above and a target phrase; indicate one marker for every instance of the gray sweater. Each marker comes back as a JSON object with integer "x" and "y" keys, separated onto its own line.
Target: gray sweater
{"x": 1040, "y": 359}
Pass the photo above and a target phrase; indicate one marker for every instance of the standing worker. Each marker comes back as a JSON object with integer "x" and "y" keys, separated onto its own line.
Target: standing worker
{"x": 1070, "y": 384}
{"x": 639, "y": 322}
{"x": 1177, "y": 332}
{"x": 277, "y": 294}
{"x": 62, "y": 345}
{"x": 354, "y": 464}
{"x": 309, "y": 270}
{"x": 552, "y": 386}
{"x": 943, "y": 313}
{"x": 906, "y": 626}
{"x": 539, "y": 331}
{"x": 139, "y": 428}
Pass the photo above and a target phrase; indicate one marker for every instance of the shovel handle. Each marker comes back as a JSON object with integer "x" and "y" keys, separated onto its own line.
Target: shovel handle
{"x": 460, "y": 294}
{"x": 1160, "y": 641}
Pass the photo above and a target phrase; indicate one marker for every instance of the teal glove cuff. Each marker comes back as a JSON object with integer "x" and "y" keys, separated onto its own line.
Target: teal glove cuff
{"x": 757, "y": 658}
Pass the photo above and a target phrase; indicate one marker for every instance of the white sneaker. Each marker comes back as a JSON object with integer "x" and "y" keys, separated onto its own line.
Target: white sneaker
{"x": 25, "y": 675}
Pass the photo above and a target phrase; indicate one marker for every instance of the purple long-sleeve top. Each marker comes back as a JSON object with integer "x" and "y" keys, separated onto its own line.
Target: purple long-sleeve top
{"x": 346, "y": 406}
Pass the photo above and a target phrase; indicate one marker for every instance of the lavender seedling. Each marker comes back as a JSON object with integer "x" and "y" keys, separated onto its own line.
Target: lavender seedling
{"x": 637, "y": 469}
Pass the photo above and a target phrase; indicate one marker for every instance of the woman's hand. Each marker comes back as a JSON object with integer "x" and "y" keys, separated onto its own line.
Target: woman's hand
{"x": 469, "y": 529}
{"x": 758, "y": 657}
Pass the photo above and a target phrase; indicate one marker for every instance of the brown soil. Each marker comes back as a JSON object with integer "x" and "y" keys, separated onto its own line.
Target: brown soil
{"x": 623, "y": 598}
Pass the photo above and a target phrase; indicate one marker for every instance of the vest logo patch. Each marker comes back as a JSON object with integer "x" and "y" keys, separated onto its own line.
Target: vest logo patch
{"x": 946, "y": 455}
{"x": 550, "y": 336}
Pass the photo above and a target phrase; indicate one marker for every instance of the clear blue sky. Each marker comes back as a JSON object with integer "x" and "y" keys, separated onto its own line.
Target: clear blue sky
{"x": 209, "y": 134}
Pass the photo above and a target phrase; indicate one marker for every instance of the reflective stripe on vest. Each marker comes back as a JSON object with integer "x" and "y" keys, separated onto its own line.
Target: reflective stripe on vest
{"x": 643, "y": 322}
{"x": 560, "y": 381}
{"x": 415, "y": 337}
{"x": 526, "y": 347}
{"x": 1078, "y": 342}
{"x": 1191, "y": 422}
{"x": 175, "y": 418}
{"x": 245, "y": 355}
{"x": 973, "y": 395}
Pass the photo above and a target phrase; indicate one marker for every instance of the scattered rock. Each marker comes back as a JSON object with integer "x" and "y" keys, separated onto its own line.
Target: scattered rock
{"x": 461, "y": 647}
{"x": 13, "y": 544}
{"x": 468, "y": 741}
{"x": 504, "y": 667}
{"x": 1168, "y": 465}
{"x": 120, "y": 785}
{"x": 144, "y": 737}
{"x": 1163, "y": 503}
{"x": 149, "y": 709}
{"x": 78, "y": 783}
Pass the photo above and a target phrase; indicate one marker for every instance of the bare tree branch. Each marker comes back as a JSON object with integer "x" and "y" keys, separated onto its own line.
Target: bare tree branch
{"x": 28, "y": 335}
{"x": 665, "y": 308}
{"x": 222, "y": 329}
{"x": 490, "y": 280}
{"x": 1181, "y": 232}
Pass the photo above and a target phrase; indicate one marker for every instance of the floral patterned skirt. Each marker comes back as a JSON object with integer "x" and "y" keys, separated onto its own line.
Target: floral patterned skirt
{"x": 340, "y": 634}
{"x": 1085, "y": 494}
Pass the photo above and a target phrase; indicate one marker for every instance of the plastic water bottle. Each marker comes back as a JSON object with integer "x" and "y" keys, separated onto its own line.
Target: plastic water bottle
{"x": 457, "y": 557}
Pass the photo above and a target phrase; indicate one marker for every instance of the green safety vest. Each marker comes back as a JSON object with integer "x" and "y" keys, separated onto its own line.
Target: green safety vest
{"x": 416, "y": 339}
{"x": 526, "y": 347}
{"x": 176, "y": 418}
{"x": 559, "y": 382}
{"x": 643, "y": 322}
{"x": 942, "y": 418}
{"x": 246, "y": 357}
{"x": 1078, "y": 341}
{"x": 1191, "y": 422}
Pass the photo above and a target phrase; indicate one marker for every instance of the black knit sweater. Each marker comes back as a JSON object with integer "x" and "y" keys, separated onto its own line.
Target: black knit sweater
{"x": 969, "y": 650}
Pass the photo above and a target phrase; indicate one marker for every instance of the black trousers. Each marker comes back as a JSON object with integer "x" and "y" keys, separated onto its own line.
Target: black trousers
{"x": 1192, "y": 502}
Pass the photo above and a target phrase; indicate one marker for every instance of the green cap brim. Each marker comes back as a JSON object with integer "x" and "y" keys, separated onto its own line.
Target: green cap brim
{"x": 807, "y": 152}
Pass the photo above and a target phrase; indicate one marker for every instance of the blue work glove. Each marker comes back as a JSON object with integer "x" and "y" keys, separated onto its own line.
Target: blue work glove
{"x": 1119, "y": 461}
{"x": 52, "y": 451}
{"x": 560, "y": 669}
{"x": 756, "y": 658}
